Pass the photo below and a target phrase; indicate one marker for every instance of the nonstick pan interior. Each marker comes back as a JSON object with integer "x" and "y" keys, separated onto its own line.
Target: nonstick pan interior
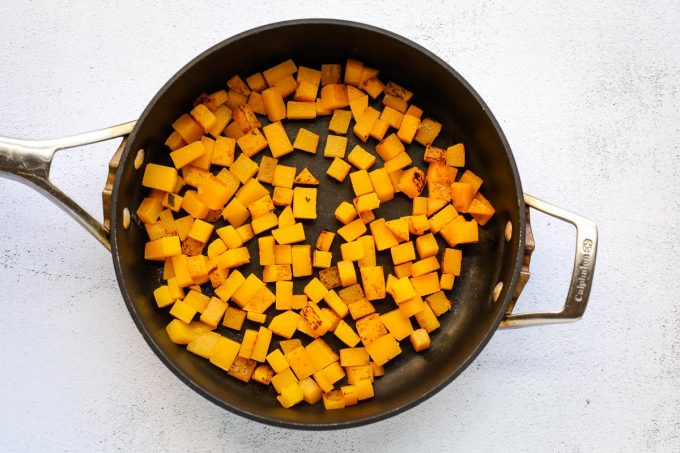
{"x": 444, "y": 96}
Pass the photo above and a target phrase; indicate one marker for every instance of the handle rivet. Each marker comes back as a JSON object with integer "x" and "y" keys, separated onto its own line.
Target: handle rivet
{"x": 508, "y": 231}
{"x": 497, "y": 291}
{"x": 139, "y": 158}
{"x": 126, "y": 218}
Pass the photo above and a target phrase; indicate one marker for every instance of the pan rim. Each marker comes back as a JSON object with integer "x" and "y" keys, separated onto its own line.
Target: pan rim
{"x": 362, "y": 420}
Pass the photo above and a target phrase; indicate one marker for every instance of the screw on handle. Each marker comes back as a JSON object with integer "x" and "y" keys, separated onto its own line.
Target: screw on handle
{"x": 582, "y": 274}
{"x": 29, "y": 162}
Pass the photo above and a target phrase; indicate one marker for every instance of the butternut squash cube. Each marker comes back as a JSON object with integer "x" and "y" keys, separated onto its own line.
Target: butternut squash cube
{"x": 333, "y": 399}
{"x": 230, "y": 237}
{"x": 462, "y": 194}
{"x": 333, "y": 96}
{"x": 348, "y": 275}
{"x": 322, "y": 259}
{"x": 352, "y": 230}
{"x": 263, "y": 374}
{"x": 302, "y": 110}
{"x": 278, "y": 140}
{"x": 266, "y": 250}
{"x": 277, "y": 361}
{"x": 257, "y": 82}
{"x": 426, "y": 246}
{"x": 299, "y": 302}
{"x": 379, "y": 129}
{"x": 304, "y": 202}
{"x": 408, "y": 128}
{"x": 234, "y": 318}
{"x": 428, "y": 131}
{"x": 248, "y": 343}
{"x": 285, "y": 324}
{"x": 244, "y": 168}
{"x": 311, "y": 392}
{"x": 201, "y": 230}
{"x": 320, "y": 354}
{"x": 395, "y": 102}
{"x": 283, "y": 380}
{"x": 160, "y": 177}
{"x": 399, "y": 228}
{"x": 412, "y": 182}
{"x": 302, "y": 260}
{"x": 354, "y": 357}
{"x": 284, "y": 295}
{"x": 390, "y": 147}
{"x": 420, "y": 340}
{"x": 424, "y": 266}
{"x": 427, "y": 320}
{"x": 369, "y": 258}
{"x": 149, "y": 210}
{"x": 359, "y": 104}
{"x": 345, "y": 212}
{"x": 282, "y": 196}
{"x": 284, "y": 176}
{"x": 370, "y": 328}
{"x": 261, "y": 206}
{"x": 381, "y": 183}
{"x": 455, "y": 155}
{"x": 472, "y": 179}
{"x": 446, "y": 281}
{"x": 336, "y": 146}
{"x": 273, "y": 104}
{"x": 305, "y": 177}
{"x": 346, "y": 334}
{"x": 339, "y": 169}
{"x": 256, "y": 103}
{"x": 360, "y": 308}
{"x": 224, "y": 353}
{"x": 358, "y": 373}
{"x": 397, "y": 323}
{"x": 373, "y": 279}
{"x": 325, "y": 240}
{"x": 315, "y": 290}
{"x": 278, "y": 72}
{"x": 340, "y": 122}
{"x": 306, "y": 141}
{"x": 162, "y": 296}
{"x": 187, "y": 128}
{"x": 183, "y": 311}
{"x": 426, "y": 284}
{"x": 481, "y": 209}
{"x": 403, "y": 290}
{"x": 352, "y": 251}
{"x": 246, "y": 119}
{"x": 182, "y": 333}
{"x": 247, "y": 290}
{"x": 364, "y": 124}
{"x": 403, "y": 270}
{"x": 251, "y": 191}
{"x": 264, "y": 222}
{"x": 315, "y": 322}
{"x": 252, "y": 143}
{"x": 403, "y": 253}
{"x": 451, "y": 261}
{"x": 261, "y": 347}
{"x": 305, "y": 91}
{"x": 439, "y": 303}
{"x": 174, "y": 141}
{"x": 460, "y": 232}
{"x": 361, "y": 158}
{"x": 266, "y": 169}
{"x": 384, "y": 239}
{"x": 383, "y": 349}
{"x": 372, "y": 86}
{"x": 361, "y": 182}
{"x": 330, "y": 74}
{"x": 286, "y": 86}
{"x": 442, "y": 218}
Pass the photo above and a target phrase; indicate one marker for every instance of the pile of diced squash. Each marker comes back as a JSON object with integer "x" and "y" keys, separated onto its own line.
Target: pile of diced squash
{"x": 215, "y": 198}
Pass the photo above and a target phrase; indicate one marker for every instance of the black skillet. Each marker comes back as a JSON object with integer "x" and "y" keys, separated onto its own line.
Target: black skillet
{"x": 494, "y": 270}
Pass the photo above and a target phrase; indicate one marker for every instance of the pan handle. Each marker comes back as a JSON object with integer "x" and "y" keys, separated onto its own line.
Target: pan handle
{"x": 582, "y": 275}
{"x": 29, "y": 162}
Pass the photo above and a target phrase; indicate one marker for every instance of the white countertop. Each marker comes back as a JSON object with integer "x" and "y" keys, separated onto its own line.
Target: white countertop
{"x": 589, "y": 98}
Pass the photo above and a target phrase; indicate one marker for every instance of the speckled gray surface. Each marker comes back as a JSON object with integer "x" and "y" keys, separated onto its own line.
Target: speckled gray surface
{"x": 588, "y": 95}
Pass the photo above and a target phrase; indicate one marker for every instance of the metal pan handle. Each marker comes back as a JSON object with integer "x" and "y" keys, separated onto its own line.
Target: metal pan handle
{"x": 581, "y": 277}
{"x": 29, "y": 162}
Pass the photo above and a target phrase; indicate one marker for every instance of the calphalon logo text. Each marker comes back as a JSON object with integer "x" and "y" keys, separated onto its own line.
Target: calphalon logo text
{"x": 583, "y": 270}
